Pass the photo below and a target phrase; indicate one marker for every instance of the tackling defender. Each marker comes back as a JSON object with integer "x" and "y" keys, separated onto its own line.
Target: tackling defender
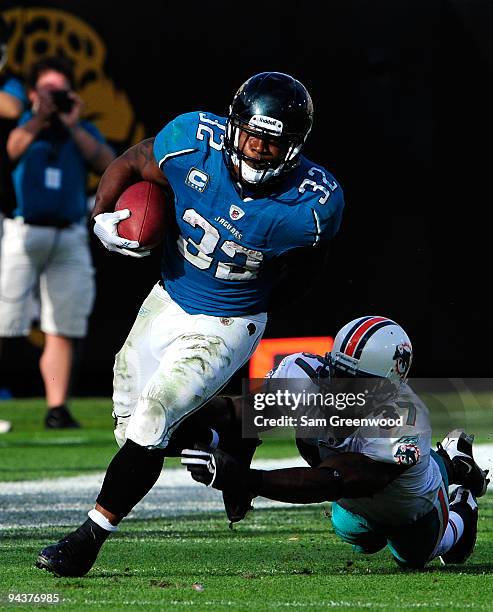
{"x": 386, "y": 491}
{"x": 244, "y": 197}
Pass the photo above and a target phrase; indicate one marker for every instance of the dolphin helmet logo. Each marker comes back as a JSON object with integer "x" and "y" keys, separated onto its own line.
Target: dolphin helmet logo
{"x": 402, "y": 358}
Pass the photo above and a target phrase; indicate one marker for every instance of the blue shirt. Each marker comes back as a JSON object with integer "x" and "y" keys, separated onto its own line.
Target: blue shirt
{"x": 15, "y": 88}
{"x": 219, "y": 263}
{"x": 50, "y": 177}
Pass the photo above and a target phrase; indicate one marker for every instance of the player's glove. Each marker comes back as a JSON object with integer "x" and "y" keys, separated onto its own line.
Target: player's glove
{"x": 214, "y": 468}
{"x": 105, "y": 229}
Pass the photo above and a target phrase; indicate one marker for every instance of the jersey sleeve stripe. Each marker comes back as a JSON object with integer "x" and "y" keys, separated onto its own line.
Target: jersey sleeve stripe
{"x": 317, "y": 227}
{"x": 174, "y": 154}
{"x": 306, "y": 367}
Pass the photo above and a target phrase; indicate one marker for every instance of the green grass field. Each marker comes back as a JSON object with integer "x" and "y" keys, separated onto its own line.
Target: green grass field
{"x": 275, "y": 559}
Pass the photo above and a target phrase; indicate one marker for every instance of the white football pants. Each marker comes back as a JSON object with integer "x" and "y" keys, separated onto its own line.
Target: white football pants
{"x": 173, "y": 362}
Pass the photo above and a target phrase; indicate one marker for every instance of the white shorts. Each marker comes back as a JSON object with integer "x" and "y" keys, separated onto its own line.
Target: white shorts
{"x": 173, "y": 362}
{"x": 58, "y": 262}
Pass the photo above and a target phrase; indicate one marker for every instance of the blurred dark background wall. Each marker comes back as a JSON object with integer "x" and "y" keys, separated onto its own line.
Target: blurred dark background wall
{"x": 402, "y": 111}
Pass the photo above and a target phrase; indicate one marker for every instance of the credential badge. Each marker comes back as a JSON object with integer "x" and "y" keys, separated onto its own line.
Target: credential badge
{"x": 196, "y": 179}
{"x": 235, "y": 212}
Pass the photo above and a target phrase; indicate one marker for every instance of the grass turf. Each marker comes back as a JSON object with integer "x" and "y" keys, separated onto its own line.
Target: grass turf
{"x": 30, "y": 452}
{"x": 275, "y": 559}
{"x": 283, "y": 558}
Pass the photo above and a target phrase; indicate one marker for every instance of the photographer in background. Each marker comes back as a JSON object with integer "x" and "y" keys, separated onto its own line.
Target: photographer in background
{"x": 46, "y": 241}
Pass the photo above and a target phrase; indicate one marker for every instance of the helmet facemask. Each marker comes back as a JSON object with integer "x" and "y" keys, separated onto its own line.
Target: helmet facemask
{"x": 378, "y": 389}
{"x": 253, "y": 172}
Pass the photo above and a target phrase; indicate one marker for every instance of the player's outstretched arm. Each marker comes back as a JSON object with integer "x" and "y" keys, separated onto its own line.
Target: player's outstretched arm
{"x": 362, "y": 476}
{"x": 136, "y": 164}
{"x": 345, "y": 475}
{"x": 219, "y": 470}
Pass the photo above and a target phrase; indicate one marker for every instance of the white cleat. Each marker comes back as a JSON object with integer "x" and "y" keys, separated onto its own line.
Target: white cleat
{"x": 457, "y": 449}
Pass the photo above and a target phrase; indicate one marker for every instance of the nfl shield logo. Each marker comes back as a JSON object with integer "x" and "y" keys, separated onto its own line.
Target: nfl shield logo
{"x": 235, "y": 212}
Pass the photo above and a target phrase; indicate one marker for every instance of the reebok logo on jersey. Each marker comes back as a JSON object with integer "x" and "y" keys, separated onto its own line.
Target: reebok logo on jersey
{"x": 235, "y": 212}
{"x": 196, "y": 179}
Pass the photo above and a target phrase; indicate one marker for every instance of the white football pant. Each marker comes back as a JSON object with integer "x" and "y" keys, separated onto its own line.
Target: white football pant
{"x": 172, "y": 363}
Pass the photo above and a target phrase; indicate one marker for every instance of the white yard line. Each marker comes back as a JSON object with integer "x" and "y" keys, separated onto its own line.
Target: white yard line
{"x": 65, "y": 501}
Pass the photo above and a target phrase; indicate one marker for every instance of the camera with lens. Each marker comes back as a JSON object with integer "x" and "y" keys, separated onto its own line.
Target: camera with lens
{"x": 61, "y": 99}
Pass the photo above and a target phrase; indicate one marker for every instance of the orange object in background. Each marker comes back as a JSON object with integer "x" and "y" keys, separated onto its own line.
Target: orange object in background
{"x": 271, "y": 351}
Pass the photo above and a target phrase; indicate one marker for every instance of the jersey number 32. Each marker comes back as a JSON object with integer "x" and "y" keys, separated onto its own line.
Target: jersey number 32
{"x": 201, "y": 254}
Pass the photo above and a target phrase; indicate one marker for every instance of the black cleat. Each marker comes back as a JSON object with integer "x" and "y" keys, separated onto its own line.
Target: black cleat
{"x": 60, "y": 418}
{"x": 464, "y": 503}
{"x": 456, "y": 451}
{"x": 75, "y": 554}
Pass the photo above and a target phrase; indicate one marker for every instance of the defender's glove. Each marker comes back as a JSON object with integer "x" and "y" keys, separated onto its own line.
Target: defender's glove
{"x": 105, "y": 229}
{"x": 215, "y": 468}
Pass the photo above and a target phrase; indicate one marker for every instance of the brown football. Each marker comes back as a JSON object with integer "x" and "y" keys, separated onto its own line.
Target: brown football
{"x": 147, "y": 203}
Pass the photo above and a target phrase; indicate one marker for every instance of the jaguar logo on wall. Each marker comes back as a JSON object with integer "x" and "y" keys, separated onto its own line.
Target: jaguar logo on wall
{"x": 38, "y": 32}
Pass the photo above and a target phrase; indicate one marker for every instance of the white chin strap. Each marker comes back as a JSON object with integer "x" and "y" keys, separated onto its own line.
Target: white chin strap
{"x": 252, "y": 175}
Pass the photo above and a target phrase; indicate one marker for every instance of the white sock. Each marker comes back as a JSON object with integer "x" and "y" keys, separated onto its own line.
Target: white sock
{"x": 101, "y": 520}
{"x": 455, "y": 529}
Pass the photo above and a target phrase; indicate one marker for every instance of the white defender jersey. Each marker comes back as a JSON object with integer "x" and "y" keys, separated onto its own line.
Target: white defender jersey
{"x": 411, "y": 495}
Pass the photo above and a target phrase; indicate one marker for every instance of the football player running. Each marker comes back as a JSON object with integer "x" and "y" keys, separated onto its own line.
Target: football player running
{"x": 244, "y": 198}
{"x": 386, "y": 491}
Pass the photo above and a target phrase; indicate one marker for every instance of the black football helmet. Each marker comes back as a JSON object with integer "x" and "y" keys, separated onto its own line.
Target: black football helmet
{"x": 271, "y": 105}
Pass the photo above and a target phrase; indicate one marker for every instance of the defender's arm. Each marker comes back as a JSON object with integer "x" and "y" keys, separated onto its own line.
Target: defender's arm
{"x": 345, "y": 475}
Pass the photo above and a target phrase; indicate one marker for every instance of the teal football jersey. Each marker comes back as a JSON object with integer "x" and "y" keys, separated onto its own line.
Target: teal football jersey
{"x": 219, "y": 262}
